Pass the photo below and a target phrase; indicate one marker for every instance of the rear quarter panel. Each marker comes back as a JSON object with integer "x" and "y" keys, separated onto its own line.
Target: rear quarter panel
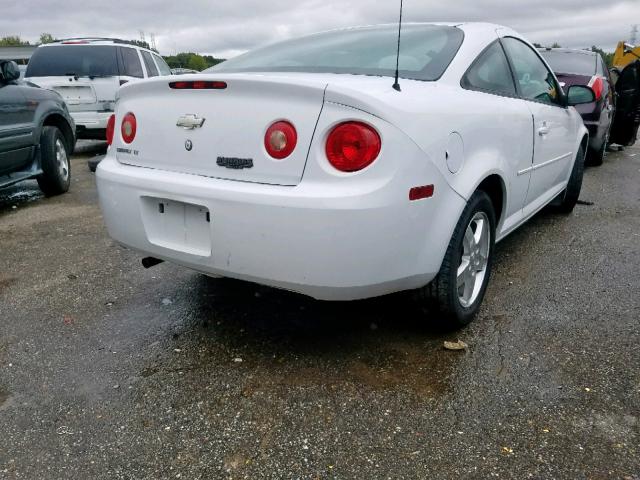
{"x": 420, "y": 231}
{"x": 497, "y": 132}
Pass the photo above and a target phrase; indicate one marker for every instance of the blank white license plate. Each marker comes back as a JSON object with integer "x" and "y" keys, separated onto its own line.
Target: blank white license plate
{"x": 179, "y": 226}
{"x": 76, "y": 95}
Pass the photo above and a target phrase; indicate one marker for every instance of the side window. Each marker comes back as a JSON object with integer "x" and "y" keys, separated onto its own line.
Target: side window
{"x": 535, "y": 81}
{"x": 131, "y": 66}
{"x": 490, "y": 72}
{"x": 162, "y": 65}
{"x": 152, "y": 71}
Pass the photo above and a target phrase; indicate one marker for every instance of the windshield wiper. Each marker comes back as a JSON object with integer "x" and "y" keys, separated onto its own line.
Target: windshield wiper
{"x": 90, "y": 77}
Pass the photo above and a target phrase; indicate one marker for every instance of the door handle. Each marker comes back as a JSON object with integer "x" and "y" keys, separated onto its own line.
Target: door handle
{"x": 543, "y": 131}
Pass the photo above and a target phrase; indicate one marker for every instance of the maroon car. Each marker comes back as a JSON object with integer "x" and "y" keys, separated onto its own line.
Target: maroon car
{"x": 584, "y": 67}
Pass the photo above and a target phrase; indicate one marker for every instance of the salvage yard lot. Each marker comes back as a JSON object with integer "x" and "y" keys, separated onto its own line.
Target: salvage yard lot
{"x": 108, "y": 370}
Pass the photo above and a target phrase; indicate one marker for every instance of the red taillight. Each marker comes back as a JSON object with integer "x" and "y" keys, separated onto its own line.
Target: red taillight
{"x": 597, "y": 85}
{"x": 198, "y": 85}
{"x": 280, "y": 140}
{"x": 129, "y": 127}
{"x": 352, "y": 146}
{"x": 111, "y": 128}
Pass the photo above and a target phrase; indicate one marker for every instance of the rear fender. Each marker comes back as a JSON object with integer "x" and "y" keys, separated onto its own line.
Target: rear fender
{"x": 385, "y": 186}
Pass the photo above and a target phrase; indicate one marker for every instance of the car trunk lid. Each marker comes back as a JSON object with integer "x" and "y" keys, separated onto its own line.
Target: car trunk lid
{"x": 587, "y": 110}
{"x": 220, "y": 132}
{"x": 567, "y": 80}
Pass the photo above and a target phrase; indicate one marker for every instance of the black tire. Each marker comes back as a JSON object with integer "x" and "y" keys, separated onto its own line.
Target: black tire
{"x": 56, "y": 167}
{"x": 441, "y": 297}
{"x": 568, "y": 199}
{"x": 595, "y": 158}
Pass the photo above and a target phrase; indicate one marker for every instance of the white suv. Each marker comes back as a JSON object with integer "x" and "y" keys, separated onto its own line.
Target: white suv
{"x": 88, "y": 72}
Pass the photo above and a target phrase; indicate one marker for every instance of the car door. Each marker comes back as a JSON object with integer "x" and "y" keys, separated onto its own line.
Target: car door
{"x": 508, "y": 132}
{"x": 627, "y": 118}
{"x": 16, "y": 127}
{"x": 553, "y": 125}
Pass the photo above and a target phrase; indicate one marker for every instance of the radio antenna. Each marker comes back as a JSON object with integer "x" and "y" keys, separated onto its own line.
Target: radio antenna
{"x": 396, "y": 86}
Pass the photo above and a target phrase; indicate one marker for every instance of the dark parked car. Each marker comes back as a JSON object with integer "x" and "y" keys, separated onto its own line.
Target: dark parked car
{"x": 583, "y": 67}
{"x": 37, "y": 134}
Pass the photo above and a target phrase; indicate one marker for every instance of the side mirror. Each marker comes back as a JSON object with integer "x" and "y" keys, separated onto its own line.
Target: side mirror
{"x": 579, "y": 95}
{"x": 628, "y": 48}
{"x": 10, "y": 71}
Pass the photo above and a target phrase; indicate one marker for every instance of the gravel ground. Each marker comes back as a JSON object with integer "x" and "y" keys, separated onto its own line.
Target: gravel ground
{"x": 111, "y": 371}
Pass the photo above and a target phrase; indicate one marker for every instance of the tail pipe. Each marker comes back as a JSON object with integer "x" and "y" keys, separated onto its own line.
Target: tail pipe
{"x": 149, "y": 262}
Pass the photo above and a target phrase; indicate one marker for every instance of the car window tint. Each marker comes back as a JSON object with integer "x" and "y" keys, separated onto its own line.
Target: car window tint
{"x": 535, "y": 80}
{"x": 80, "y": 60}
{"x": 490, "y": 72}
{"x": 152, "y": 71}
{"x": 131, "y": 63}
{"x": 425, "y": 53}
{"x": 162, "y": 65}
{"x": 571, "y": 63}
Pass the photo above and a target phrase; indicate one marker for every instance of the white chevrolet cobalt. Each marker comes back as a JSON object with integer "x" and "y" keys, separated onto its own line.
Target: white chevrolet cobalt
{"x": 304, "y": 166}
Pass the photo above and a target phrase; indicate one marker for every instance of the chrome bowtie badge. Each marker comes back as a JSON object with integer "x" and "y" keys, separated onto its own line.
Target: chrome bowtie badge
{"x": 190, "y": 121}
{"x": 188, "y": 145}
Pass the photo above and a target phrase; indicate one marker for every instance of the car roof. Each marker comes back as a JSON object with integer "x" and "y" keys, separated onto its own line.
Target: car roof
{"x": 568, "y": 50}
{"x": 477, "y": 25}
{"x": 94, "y": 41}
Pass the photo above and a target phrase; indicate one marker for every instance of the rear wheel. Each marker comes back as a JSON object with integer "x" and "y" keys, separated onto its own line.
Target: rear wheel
{"x": 56, "y": 168}
{"x": 568, "y": 199}
{"x": 456, "y": 294}
{"x": 596, "y": 157}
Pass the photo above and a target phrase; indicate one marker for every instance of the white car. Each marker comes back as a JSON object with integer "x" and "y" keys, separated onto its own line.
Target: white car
{"x": 300, "y": 166}
{"x": 87, "y": 73}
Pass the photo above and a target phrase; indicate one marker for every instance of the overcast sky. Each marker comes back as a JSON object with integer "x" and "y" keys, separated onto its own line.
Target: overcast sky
{"x": 226, "y": 28}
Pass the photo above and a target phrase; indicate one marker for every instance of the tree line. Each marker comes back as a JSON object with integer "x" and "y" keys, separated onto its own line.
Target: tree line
{"x": 16, "y": 41}
{"x": 190, "y": 60}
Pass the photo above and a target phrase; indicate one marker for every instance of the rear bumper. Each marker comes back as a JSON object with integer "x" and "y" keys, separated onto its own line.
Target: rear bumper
{"x": 91, "y": 120}
{"x": 597, "y": 123}
{"x": 331, "y": 243}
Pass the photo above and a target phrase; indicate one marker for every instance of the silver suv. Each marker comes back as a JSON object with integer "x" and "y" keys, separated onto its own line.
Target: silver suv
{"x": 88, "y": 72}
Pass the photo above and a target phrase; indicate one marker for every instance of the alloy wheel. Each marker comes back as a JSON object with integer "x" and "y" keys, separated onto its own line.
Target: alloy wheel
{"x": 62, "y": 160}
{"x": 474, "y": 260}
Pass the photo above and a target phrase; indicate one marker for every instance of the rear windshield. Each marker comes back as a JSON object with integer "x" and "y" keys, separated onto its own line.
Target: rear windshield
{"x": 573, "y": 63}
{"x": 79, "y": 60}
{"x": 426, "y": 52}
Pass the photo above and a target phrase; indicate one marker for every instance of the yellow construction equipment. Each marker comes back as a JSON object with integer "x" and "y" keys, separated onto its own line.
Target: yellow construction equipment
{"x": 625, "y": 54}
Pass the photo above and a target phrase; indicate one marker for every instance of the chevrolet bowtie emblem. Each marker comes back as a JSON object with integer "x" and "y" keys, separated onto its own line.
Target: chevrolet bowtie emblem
{"x": 190, "y": 121}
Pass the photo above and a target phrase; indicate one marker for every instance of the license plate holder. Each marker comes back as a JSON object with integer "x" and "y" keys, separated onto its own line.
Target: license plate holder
{"x": 179, "y": 226}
